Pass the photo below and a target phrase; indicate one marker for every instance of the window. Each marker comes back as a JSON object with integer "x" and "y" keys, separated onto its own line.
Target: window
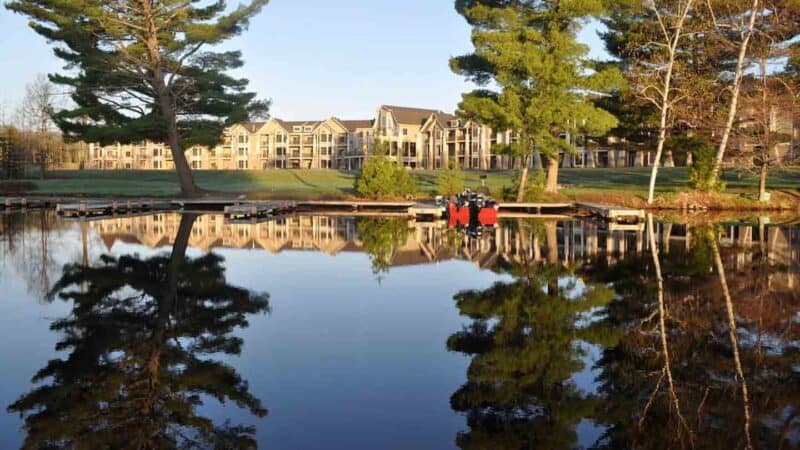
{"x": 196, "y": 152}
{"x": 297, "y": 129}
{"x": 243, "y": 164}
{"x": 279, "y": 138}
{"x": 127, "y": 153}
{"x": 156, "y": 164}
{"x": 308, "y": 129}
{"x": 243, "y": 151}
{"x": 405, "y": 131}
{"x": 195, "y": 164}
{"x": 157, "y": 152}
{"x": 243, "y": 138}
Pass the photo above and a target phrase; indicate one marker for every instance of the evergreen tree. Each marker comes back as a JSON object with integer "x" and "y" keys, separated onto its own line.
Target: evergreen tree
{"x": 529, "y": 50}
{"x": 139, "y": 71}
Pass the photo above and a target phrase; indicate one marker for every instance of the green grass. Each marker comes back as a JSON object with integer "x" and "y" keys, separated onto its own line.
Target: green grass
{"x": 299, "y": 184}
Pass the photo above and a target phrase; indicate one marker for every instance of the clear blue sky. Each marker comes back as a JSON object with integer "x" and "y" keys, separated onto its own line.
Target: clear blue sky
{"x": 314, "y": 58}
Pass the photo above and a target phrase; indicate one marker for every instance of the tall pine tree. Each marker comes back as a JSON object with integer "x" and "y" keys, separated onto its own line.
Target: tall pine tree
{"x": 545, "y": 83}
{"x": 138, "y": 70}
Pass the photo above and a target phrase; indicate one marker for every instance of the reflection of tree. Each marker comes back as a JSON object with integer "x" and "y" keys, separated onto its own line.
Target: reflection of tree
{"x": 525, "y": 344}
{"x": 27, "y": 239}
{"x": 733, "y": 365}
{"x": 140, "y": 340}
{"x": 381, "y": 238}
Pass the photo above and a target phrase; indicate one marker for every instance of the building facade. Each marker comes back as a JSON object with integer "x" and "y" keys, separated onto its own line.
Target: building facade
{"x": 417, "y": 138}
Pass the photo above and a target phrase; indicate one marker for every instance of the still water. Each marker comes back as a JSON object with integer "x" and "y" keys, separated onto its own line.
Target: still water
{"x": 307, "y": 332}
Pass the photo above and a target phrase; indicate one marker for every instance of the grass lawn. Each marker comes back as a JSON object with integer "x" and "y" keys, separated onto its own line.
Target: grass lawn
{"x": 306, "y": 184}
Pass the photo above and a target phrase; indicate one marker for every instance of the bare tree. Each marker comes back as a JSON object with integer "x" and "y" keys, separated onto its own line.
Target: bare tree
{"x": 736, "y": 28}
{"x": 655, "y": 84}
{"x": 35, "y": 117}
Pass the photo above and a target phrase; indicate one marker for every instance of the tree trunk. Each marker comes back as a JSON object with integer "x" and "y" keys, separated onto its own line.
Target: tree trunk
{"x": 551, "y": 187}
{"x": 666, "y": 90}
{"x": 523, "y": 179}
{"x": 737, "y": 84}
{"x": 166, "y": 106}
{"x": 762, "y": 181}
{"x": 176, "y": 260}
{"x": 551, "y": 239}
{"x": 733, "y": 338}
{"x": 669, "y": 161}
{"x": 537, "y": 160}
{"x": 185, "y": 175}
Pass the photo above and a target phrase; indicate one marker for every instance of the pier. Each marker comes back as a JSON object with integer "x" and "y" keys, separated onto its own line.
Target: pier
{"x": 255, "y": 212}
{"x": 238, "y": 210}
{"x": 99, "y": 208}
{"x": 612, "y": 213}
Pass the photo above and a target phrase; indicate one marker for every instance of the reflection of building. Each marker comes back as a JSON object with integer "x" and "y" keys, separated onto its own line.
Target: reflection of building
{"x": 578, "y": 241}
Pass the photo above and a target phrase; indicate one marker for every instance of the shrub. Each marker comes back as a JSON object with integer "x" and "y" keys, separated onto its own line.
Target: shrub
{"x": 382, "y": 178}
{"x": 451, "y": 180}
{"x": 702, "y": 169}
{"x": 534, "y": 190}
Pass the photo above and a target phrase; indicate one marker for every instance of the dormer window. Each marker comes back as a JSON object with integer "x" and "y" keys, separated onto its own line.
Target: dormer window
{"x": 297, "y": 129}
{"x": 308, "y": 129}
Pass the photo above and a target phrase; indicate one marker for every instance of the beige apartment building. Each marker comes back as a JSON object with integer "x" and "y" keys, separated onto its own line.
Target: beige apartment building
{"x": 418, "y": 138}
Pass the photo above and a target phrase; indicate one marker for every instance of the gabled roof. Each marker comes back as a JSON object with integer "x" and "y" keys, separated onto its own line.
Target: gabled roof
{"x": 252, "y": 127}
{"x": 439, "y": 118}
{"x": 413, "y": 116}
{"x": 290, "y": 124}
{"x": 353, "y": 125}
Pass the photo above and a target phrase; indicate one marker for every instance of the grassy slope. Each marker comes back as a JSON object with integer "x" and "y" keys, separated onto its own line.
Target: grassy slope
{"x": 332, "y": 184}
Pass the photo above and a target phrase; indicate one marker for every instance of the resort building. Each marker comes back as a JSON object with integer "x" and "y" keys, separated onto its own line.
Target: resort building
{"x": 418, "y": 138}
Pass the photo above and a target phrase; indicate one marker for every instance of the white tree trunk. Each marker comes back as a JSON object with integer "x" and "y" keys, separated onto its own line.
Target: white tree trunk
{"x": 733, "y": 108}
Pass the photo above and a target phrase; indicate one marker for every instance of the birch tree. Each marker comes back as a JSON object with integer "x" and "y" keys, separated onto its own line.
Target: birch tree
{"x": 734, "y": 24}
{"x": 654, "y": 76}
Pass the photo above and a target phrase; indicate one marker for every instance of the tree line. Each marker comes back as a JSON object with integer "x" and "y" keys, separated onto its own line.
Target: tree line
{"x": 687, "y": 76}
{"x": 30, "y": 139}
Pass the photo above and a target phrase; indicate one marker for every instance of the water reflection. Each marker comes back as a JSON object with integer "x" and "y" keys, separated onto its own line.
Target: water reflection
{"x": 662, "y": 335}
{"x": 526, "y": 340}
{"x": 139, "y": 348}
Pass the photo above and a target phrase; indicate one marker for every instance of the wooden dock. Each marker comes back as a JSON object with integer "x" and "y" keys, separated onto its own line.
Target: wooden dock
{"x": 534, "y": 208}
{"x": 240, "y": 210}
{"x": 12, "y": 203}
{"x": 355, "y": 205}
{"x": 255, "y": 212}
{"x": 99, "y": 208}
{"x": 611, "y": 213}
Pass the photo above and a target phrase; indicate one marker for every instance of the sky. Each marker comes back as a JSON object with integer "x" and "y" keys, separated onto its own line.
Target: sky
{"x": 314, "y": 58}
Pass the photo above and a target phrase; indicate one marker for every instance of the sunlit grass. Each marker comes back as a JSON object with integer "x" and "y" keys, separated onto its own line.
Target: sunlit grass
{"x": 306, "y": 184}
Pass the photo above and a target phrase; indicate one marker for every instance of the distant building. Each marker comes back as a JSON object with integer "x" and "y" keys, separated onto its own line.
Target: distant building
{"x": 418, "y": 138}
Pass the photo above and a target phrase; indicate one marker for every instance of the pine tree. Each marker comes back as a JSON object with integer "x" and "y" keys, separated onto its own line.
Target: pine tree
{"x": 546, "y": 84}
{"x": 139, "y": 70}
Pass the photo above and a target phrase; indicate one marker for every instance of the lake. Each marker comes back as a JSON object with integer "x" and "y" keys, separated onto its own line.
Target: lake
{"x": 310, "y": 332}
